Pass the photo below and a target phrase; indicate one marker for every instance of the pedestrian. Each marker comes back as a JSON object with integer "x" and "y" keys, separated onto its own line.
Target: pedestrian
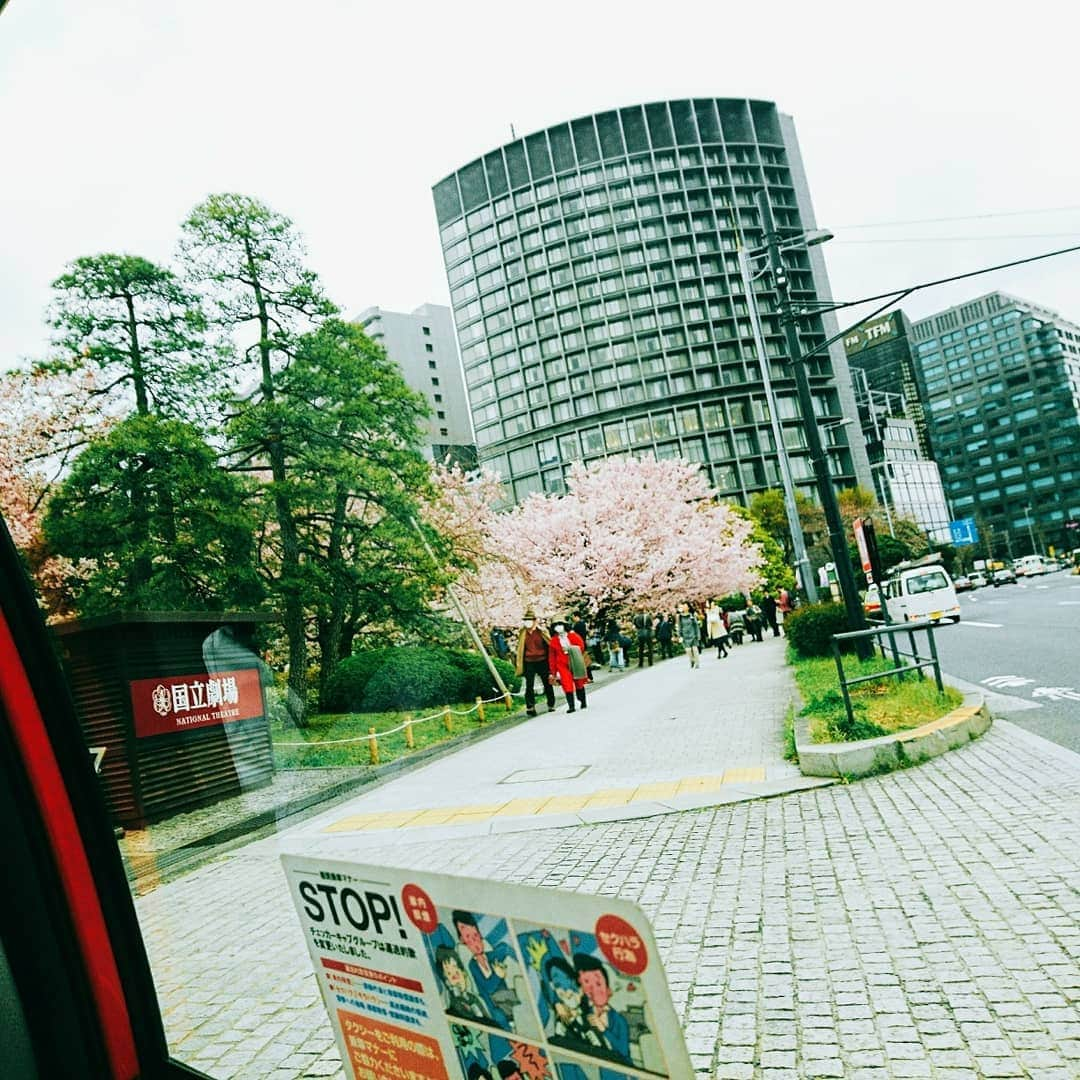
{"x": 715, "y": 632}
{"x": 768, "y": 610}
{"x": 736, "y": 626}
{"x": 664, "y": 633}
{"x": 498, "y": 643}
{"x": 614, "y": 640}
{"x": 531, "y": 660}
{"x": 582, "y": 630}
{"x": 690, "y": 632}
{"x": 566, "y": 659}
{"x": 785, "y": 604}
{"x": 643, "y": 625}
{"x": 755, "y": 622}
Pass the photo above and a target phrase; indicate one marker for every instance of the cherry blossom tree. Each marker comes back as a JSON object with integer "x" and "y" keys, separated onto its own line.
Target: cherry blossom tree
{"x": 629, "y": 533}
{"x": 46, "y": 419}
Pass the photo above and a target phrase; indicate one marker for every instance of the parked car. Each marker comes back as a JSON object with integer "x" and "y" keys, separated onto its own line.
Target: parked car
{"x": 872, "y": 602}
{"x": 1004, "y": 576}
{"x": 978, "y": 580}
{"x": 962, "y": 583}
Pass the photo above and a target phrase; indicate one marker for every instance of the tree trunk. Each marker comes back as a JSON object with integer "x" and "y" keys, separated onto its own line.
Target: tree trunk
{"x": 138, "y": 375}
{"x": 330, "y": 635}
{"x": 292, "y": 600}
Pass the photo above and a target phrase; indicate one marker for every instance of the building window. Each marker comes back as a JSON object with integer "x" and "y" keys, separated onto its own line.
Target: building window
{"x": 431, "y": 364}
{"x": 429, "y": 348}
{"x": 441, "y": 415}
{"x": 443, "y": 431}
{"x": 434, "y": 381}
{"x": 427, "y": 331}
{"x": 438, "y": 397}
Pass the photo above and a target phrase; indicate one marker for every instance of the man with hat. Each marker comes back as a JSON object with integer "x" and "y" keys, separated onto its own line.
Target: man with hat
{"x": 532, "y": 661}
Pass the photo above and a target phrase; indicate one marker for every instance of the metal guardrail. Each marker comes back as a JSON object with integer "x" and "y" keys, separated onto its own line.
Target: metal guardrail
{"x": 900, "y": 669}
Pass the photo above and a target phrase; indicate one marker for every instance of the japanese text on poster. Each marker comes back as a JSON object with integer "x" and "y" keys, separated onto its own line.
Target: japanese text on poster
{"x": 431, "y": 977}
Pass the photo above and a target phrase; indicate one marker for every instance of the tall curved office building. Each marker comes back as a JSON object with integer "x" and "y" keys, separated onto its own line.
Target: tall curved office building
{"x": 598, "y": 302}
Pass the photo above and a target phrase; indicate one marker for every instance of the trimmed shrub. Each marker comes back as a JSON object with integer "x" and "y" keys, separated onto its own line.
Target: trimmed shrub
{"x": 810, "y": 628}
{"x": 476, "y": 680}
{"x": 413, "y": 678}
{"x": 345, "y": 692}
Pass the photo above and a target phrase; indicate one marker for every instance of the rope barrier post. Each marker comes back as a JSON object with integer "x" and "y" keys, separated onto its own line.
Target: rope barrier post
{"x": 448, "y": 720}
{"x": 480, "y": 708}
{"x": 410, "y": 740}
{"x": 508, "y": 701}
{"x": 373, "y": 746}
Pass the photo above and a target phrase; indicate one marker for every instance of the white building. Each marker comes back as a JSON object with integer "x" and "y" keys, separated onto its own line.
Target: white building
{"x": 423, "y": 345}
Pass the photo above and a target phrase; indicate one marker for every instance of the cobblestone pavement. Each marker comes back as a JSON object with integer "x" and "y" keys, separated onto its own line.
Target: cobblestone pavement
{"x": 921, "y": 924}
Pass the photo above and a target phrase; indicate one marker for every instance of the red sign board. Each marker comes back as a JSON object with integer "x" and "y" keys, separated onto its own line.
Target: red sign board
{"x": 182, "y": 702}
{"x": 860, "y": 541}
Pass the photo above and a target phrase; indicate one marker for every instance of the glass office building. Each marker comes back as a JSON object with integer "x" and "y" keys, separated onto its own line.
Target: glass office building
{"x": 1002, "y": 379}
{"x": 599, "y": 308}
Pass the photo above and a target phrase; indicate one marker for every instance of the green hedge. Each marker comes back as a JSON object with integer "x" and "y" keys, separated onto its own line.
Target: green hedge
{"x": 810, "y": 628}
{"x": 414, "y": 677}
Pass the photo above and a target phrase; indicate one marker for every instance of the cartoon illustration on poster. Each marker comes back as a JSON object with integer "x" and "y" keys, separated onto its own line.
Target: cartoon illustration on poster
{"x": 479, "y": 971}
{"x": 431, "y": 977}
{"x": 485, "y": 1055}
{"x": 590, "y": 995}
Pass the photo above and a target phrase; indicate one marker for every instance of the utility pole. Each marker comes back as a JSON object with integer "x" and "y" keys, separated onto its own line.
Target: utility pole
{"x": 826, "y": 492}
{"x": 791, "y": 507}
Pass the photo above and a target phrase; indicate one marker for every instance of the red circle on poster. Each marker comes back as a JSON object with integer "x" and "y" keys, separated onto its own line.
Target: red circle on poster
{"x": 420, "y": 909}
{"x": 622, "y": 945}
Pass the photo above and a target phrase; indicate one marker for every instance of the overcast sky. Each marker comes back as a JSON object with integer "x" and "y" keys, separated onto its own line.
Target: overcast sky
{"x": 117, "y": 116}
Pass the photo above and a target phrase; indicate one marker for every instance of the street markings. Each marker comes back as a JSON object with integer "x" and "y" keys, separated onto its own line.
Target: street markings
{"x": 1007, "y": 680}
{"x": 1045, "y": 693}
{"x": 988, "y": 625}
{"x": 1069, "y": 603}
{"x": 558, "y": 804}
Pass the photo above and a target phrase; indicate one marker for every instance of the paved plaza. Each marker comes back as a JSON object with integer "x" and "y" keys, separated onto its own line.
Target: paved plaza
{"x": 920, "y": 924}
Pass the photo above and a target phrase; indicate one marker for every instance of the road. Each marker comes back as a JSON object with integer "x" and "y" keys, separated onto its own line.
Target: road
{"x": 1020, "y": 642}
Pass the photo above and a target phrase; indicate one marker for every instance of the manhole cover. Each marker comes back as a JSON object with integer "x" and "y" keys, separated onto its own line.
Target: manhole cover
{"x": 534, "y": 776}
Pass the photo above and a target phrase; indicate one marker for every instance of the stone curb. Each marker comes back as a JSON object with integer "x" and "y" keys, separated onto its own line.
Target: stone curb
{"x": 868, "y": 757}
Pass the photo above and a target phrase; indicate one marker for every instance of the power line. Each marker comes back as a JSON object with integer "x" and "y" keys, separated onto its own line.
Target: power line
{"x": 896, "y": 295}
{"x": 966, "y": 217}
{"x": 907, "y": 290}
{"x": 960, "y": 239}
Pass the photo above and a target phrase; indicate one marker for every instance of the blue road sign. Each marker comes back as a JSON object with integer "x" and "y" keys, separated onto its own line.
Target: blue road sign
{"x": 964, "y": 532}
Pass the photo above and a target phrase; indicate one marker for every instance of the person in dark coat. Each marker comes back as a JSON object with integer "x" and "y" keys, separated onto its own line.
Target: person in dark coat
{"x": 768, "y": 610}
{"x": 664, "y": 631}
{"x": 643, "y": 626}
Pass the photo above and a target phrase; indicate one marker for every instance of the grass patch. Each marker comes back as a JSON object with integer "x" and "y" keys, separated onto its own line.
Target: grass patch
{"x": 880, "y": 707}
{"x": 324, "y": 728}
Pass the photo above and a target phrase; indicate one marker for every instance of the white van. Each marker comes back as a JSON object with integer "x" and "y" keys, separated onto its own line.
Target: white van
{"x": 921, "y": 592}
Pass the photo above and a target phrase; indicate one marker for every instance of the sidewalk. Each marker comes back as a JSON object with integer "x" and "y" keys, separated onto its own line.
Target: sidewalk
{"x": 663, "y": 738}
{"x": 920, "y": 924}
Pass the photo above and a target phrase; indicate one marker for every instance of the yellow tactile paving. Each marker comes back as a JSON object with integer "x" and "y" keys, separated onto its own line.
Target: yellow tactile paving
{"x": 609, "y": 797}
{"x": 692, "y": 785}
{"x": 536, "y": 807}
{"x": 521, "y": 807}
{"x": 664, "y": 790}
{"x": 744, "y": 776}
{"x": 564, "y": 804}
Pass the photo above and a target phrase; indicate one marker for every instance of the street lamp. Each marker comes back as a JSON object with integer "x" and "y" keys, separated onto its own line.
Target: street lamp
{"x": 798, "y": 542}
{"x": 826, "y": 492}
{"x": 884, "y": 492}
{"x": 1031, "y": 531}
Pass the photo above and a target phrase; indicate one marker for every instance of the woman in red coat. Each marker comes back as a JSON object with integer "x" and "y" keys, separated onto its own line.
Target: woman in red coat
{"x": 566, "y": 660}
